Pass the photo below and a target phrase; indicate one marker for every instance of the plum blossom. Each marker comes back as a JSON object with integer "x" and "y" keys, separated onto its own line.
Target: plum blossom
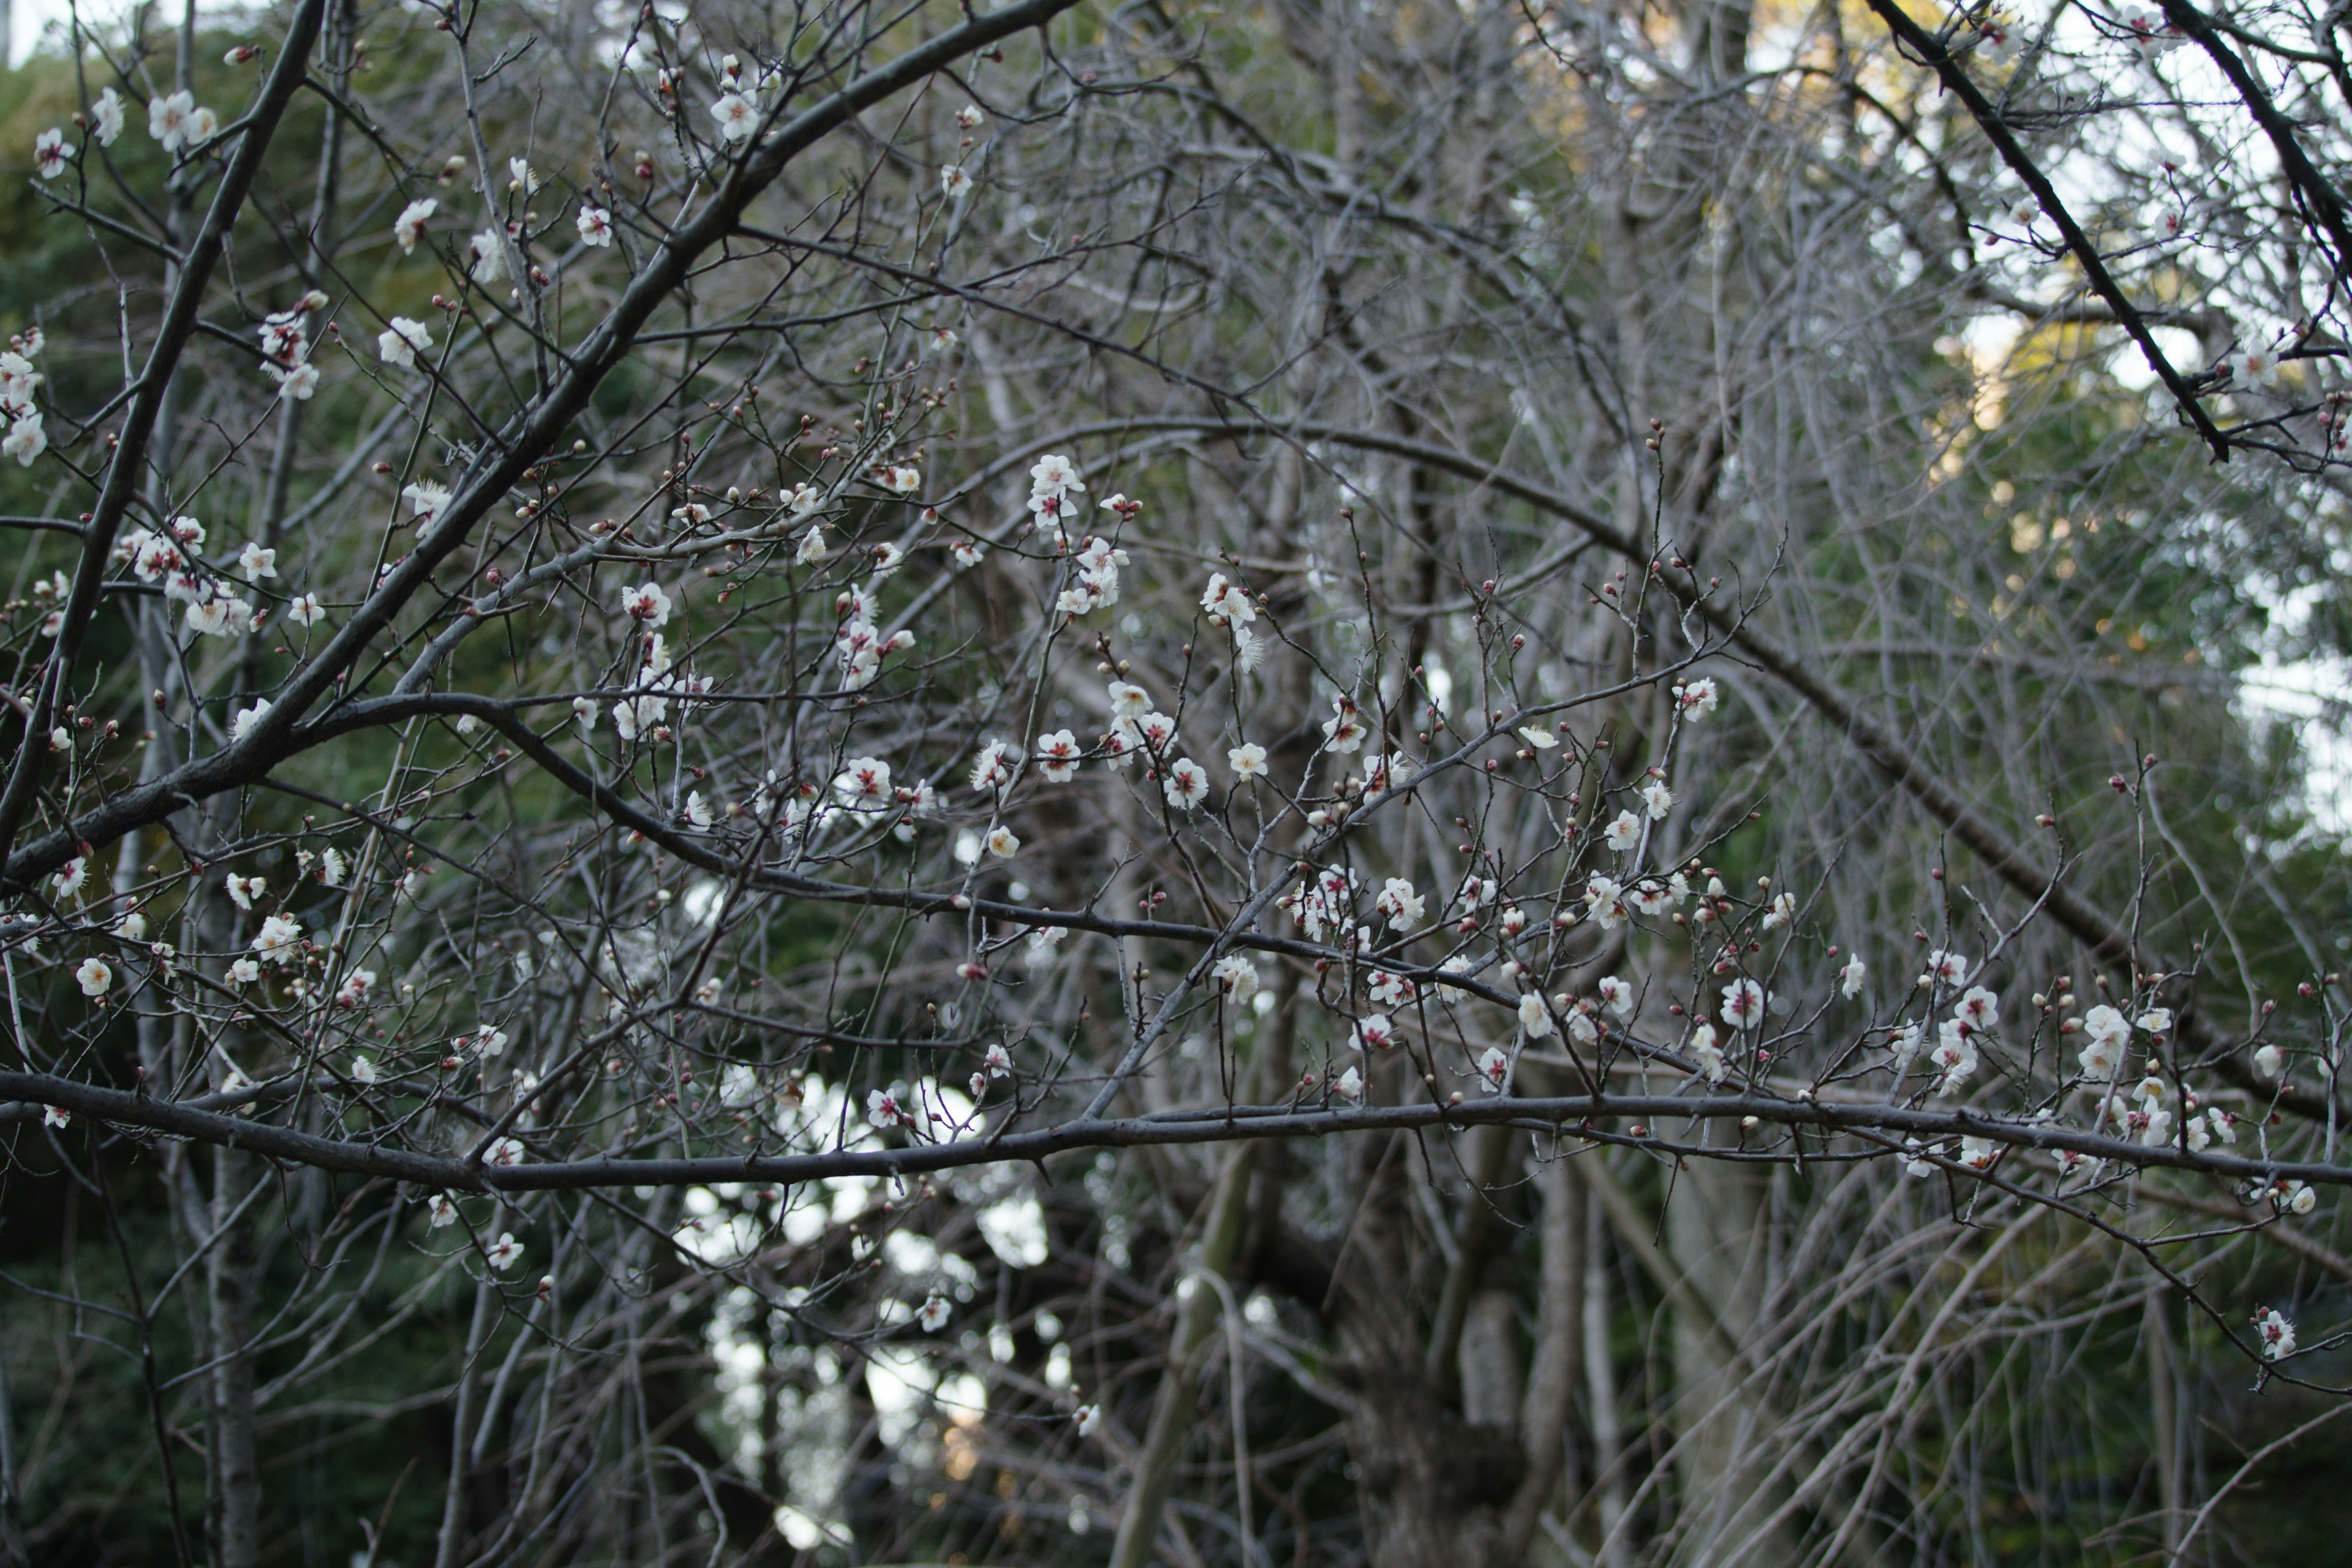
{"x": 1235, "y": 976}
{"x": 50, "y": 153}
{"x": 1493, "y": 1068}
{"x": 2252, "y": 366}
{"x": 167, "y": 118}
{"x": 1344, "y": 732}
{"x": 306, "y": 610}
{"x": 18, "y": 382}
{"x": 595, "y": 224}
{"x": 1188, "y": 783}
{"x": 646, "y": 603}
{"x": 1623, "y": 834}
{"x": 93, "y": 976}
{"x": 1057, "y": 756}
{"x": 1374, "y": 1033}
{"x": 1955, "y": 1054}
{"x": 503, "y": 1153}
{"x": 1617, "y": 994}
{"x": 1743, "y": 1004}
{"x": 1053, "y": 481}
{"x": 488, "y": 249}
{"x": 426, "y": 498}
{"x": 2270, "y": 1062}
{"x": 25, "y": 439}
{"x": 409, "y": 227}
{"x": 1946, "y": 968}
{"x": 400, "y": 343}
{"x": 954, "y": 180}
{"x": 1247, "y": 761}
{"x": 1708, "y": 1053}
{"x": 865, "y": 782}
{"x": 1851, "y": 978}
{"x": 2276, "y": 1334}
{"x": 1349, "y": 1086}
{"x": 69, "y": 879}
{"x": 933, "y": 1315}
{"x": 1977, "y": 1008}
{"x": 296, "y": 383}
{"x": 278, "y": 936}
{"x": 1657, "y": 799}
{"x": 1227, "y": 604}
{"x": 504, "y": 1253}
{"x": 993, "y": 768}
{"x": 106, "y": 117}
{"x": 2151, "y": 32}
{"x": 737, "y": 115}
{"x": 1535, "y": 1018}
{"x": 1404, "y": 908}
{"x": 2106, "y": 1032}
{"x": 1128, "y": 700}
{"x": 1697, "y": 700}
{"x": 1003, "y": 843}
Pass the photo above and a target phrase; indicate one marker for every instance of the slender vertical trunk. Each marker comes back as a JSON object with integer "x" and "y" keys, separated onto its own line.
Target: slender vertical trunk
{"x": 1600, "y": 1376}
{"x": 453, "y": 1504}
{"x": 1715, "y": 1230}
{"x": 234, "y": 1513}
{"x": 2163, "y": 1414}
{"x": 1559, "y": 1361}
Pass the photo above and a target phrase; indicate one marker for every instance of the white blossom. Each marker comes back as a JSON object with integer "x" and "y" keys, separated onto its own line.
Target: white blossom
{"x": 403, "y": 341}
{"x": 1236, "y": 975}
{"x": 1187, "y": 783}
{"x": 737, "y": 115}
{"x": 93, "y": 976}
{"x": 25, "y": 439}
{"x": 1743, "y": 1004}
{"x": 409, "y": 227}
{"x": 167, "y": 118}
{"x": 1851, "y": 977}
{"x": 106, "y": 117}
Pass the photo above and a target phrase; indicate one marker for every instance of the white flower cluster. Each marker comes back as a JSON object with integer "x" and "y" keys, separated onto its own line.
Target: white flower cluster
{"x": 169, "y": 558}
{"x": 286, "y": 349}
{"x": 25, "y": 439}
{"x": 1053, "y": 481}
{"x": 1230, "y": 605}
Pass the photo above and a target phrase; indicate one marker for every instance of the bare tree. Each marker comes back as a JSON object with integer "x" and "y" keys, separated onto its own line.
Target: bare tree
{"x": 1379, "y": 786}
